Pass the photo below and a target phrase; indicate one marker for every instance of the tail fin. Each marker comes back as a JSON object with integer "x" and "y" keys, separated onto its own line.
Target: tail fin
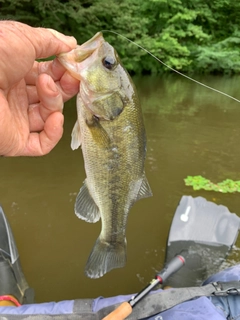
{"x": 104, "y": 257}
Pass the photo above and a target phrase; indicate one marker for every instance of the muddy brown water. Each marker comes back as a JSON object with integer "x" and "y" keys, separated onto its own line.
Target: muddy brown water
{"x": 191, "y": 131}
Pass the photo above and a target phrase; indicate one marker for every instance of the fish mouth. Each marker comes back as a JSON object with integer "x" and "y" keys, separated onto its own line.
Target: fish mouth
{"x": 72, "y": 58}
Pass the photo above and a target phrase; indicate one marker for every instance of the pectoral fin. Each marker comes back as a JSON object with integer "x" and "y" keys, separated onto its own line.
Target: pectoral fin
{"x": 99, "y": 135}
{"x": 76, "y": 136}
{"x": 85, "y": 207}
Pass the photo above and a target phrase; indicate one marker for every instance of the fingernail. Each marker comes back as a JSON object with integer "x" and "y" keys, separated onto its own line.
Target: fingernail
{"x": 70, "y": 41}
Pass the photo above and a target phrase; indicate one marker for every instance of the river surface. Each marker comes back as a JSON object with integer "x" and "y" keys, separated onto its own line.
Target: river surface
{"x": 191, "y": 131}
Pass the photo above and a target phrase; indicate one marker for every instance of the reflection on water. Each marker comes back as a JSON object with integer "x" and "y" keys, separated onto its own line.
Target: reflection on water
{"x": 191, "y": 131}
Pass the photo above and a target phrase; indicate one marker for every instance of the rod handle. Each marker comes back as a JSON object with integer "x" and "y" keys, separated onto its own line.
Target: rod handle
{"x": 120, "y": 313}
{"x": 173, "y": 266}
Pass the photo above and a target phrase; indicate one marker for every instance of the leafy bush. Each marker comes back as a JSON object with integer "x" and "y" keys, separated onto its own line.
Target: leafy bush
{"x": 199, "y": 182}
{"x": 188, "y": 35}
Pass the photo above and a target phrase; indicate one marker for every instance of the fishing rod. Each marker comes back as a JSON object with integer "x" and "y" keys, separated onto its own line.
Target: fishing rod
{"x": 125, "y": 308}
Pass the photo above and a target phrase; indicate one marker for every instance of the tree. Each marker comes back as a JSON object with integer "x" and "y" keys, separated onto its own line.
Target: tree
{"x": 187, "y": 35}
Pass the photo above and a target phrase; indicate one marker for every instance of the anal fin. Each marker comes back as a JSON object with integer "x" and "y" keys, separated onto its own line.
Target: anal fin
{"x": 85, "y": 207}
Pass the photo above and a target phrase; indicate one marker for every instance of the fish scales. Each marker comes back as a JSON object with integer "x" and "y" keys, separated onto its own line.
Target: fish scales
{"x": 114, "y": 167}
{"x": 110, "y": 130}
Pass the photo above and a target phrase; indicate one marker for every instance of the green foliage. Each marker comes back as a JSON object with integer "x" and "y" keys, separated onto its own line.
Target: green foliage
{"x": 188, "y": 35}
{"x": 199, "y": 182}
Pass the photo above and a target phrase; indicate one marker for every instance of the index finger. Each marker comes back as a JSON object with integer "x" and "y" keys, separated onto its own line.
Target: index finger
{"x": 68, "y": 85}
{"x": 53, "y": 68}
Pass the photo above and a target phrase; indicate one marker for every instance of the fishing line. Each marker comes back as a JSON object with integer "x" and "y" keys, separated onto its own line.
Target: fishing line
{"x": 180, "y": 73}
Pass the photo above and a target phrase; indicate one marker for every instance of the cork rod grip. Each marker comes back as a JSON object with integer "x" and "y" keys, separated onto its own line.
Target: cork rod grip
{"x": 120, "y": 313}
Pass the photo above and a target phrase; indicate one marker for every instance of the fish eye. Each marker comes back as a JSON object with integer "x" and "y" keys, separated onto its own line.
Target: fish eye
{"x": 109, "y": 62}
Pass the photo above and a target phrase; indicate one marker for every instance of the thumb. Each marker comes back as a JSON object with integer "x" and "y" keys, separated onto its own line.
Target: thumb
{"x": 21, "y": 45}
{"x": 45, "y": 42}
{"x": 58, "y": 42}
{"x": 49, "y": 42}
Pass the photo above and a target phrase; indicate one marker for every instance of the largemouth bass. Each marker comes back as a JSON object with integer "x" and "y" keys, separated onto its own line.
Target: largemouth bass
{"x": 111, "y": 132}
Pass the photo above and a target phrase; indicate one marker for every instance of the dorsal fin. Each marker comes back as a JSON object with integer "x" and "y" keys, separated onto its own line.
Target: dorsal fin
{"x": 145, "y": 190}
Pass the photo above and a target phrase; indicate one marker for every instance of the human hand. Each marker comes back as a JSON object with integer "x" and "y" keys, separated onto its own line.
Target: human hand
{"x": 32, "y": 93}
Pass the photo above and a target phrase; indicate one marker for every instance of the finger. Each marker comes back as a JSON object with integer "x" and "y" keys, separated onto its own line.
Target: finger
{"x": 67, "y": 85}
{"x": 46, "y": 42}
{"x": 49, "y": 96}
{"x": 27, "y": 44}
{"x": 32, "y": 95}
{"x": 36, "y": 122}
{"x": 53, "y": 68}
{"x": 67, "y": 42}
{"x": 42, "y": 143}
